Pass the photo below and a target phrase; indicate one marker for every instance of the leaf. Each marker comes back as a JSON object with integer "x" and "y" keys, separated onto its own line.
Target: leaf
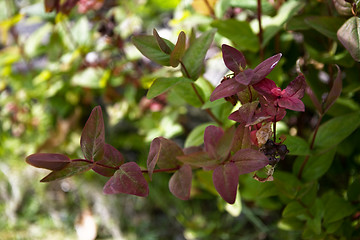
{"x": 314, "y": 100}
{"x": 349, "y": 36}
{"x": 193, "y": 59}
{"x": 164, "y": 153}
{"x": 297, "y": 146}
{"x": 93, "y": 136}
{"x": 335, "y": 207}
{"x": 161, "y": 85}
{"x": 91, "y": 77}
{"x": 162, "y": 44}
{"x": 180, "y": 182}
{"x": 226, "y": 88}
{"x": 224, "y": 144}
{"x": 265, "y": 67}
{"x": 233, "y": 59}
{"x": 50, "y": 5}
{"x": 179, "y": 50}
{"x": 326, "y": 25}
{"x": 112, "y": 158}
{"x": 198, "y": 159}
{"x": 239, "y": 32}
{"x": 196, "y": 136}
{"x": 51, "y": 161}
{"x": 294, "y": 209}
{"x": 76, "y": 166}
{"x": 336, "y": 130}
{"x": 226, "y": 181}
{"x": 149, "y": 47}
{"x": 241, "y": 139}
{"x": 335, "y": 91}
{"x": 343, "y": 7}
{"x": 186, "y": 92}
{"x": 128, "y": 179}
{"x": 212, "y": 138}
{"x": 249, "y": 160}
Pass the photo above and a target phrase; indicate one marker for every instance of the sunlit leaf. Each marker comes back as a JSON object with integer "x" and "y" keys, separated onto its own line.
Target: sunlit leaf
{"x": 349, "y": 36}
{"x": 93, "y": 136}
{"x": 196, "y": 136}
{"x": 76, "y": 166}
{"x": 161, "y": 85}
{"x": 110, "y": 162}
{"x": 51, "y": 161}
{"x": 227, "y": 88}
{"x": 179, "y": 50}
{"x": 265, "y": 67}
{"x": 162, "y": 44}
{"x": 128, "y": 179}
{"x": 180, "y": 182}
{"x": 226, "y": 181}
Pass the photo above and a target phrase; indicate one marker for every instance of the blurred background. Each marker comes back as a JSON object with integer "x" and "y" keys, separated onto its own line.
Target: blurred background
{"x": 55, "y": 67}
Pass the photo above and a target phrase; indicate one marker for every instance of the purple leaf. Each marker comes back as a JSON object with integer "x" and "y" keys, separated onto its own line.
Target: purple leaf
{"x": 314, "y": 100}
{"x": 334, "y": 91}
{"x": 198, "y": 159}
{"x": 292, "y": 104}
{"x": 128, "y": 179}
{"x": 51, "y": 161}
{"x": 226, "y": 88}
{"x": 296, "y": 88}
{"x": 224, "y": 145}
{"x": 212, "y": 137}
{"x": 180, "y": 182}
{"x": 93, "y": 136}
{"x": 76, "y": 166}
{"x": 233, "y": 59}
{"x": 241, "y": 139}
{"x": 264, "y": 68}
{"x": 226, "y": 181}
{"x": 264, "y": 87}
{"x": 249, "y": 160}
{"x": 162, "y": 44}
{"x": 163, "y": 152}
{"x": 245, "y": 77}
{"x": 112, "y": 158}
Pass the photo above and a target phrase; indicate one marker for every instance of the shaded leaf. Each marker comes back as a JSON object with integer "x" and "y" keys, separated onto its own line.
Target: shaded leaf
{"x": 149, "y": 47}
{"x": 335, "y": 207}
{"x": 349, "y": 36}
{"x": 161, "y": 85}
{"x": 297, "y": 146}
{"x": 164, "y": 153}
{"x": 194, "y": 56}
{"x": 179, "y": 50}
{"x": 226, "y": 88}
{"x": 180, "y": 182}
{"x": 93, "y": 136}
{"x": 226, "y": 181}
{"x": 249, "y": 160}
{"x": 326, "y": 25}
{"x": 112, "y": 158}
{"x": 233, "y": 59}
{"x": 335, "y": 91}
{"x": 51, "y": 161}
{"x": 294, "y": 209}
{"x": 76, "y": 166}
{"x": 162, "y": 44}
{"x": 343, "y": 7}
{"x": 128, "y": 179}
{"x": 314, "y": 100}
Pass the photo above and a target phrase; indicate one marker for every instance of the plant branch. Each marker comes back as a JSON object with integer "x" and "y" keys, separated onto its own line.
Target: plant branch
{"x": 311, "y": 147}
{"x": 162, "y": 170}
{"x": 259, "y": 13}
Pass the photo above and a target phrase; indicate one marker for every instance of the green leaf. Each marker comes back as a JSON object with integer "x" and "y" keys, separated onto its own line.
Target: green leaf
{"x": 73, "y": 168}
{"x": 36, "y": 39}
{"x": 297, "y": 146}
{"x": 238, "y": 32}
{"x": 293, "y": 209}
{"x": 161, "y": 85}
{"x": 186, "y": 92}
{"x": 349, "y": 36}
{"x": 179, "y": 50}
{"x": 91, "y": 78}
{"x": 149, "y": 47}
{"x": 196, "y": 136}
{"x": 336, "y": 130}
{"x": 326, "y": 25}
{"x": 335, "y": 207}
{"x": 193, "y": 59}
{"x": 81, "y": 32}
{"x": 353, "y": 191}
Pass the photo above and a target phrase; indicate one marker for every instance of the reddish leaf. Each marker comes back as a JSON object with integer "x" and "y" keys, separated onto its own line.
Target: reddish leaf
{"x": 249, "y": 160}
{"x": 241, "y": 139}
{"x": 180, "y": 182}
{"x": 314, "y": 100}
{"x": 179, "y": 50}
{"x": 224, "y": 144}
{"x": 334, "y": 91}
{"x": 291, "y": 104}
{"x": 227, "y": 88}
{"x": 50, "y": 5}
{"x": 264, "y": 87}
{"x": 112, "y": 158}
{"x": 226, "y": 180}
{"x": 163, "y": 152}
{"x": 93, "y": 136}
{"x": 212, "y": 137}
{"x": 162, "y": 44}
{"x": 128, "y": 179}
{"x": 51, "y": 161}
{"x": 198, "y": 159}
{"x": 264, "y": 68}
{"x": 296, "y": 88}
{"x": 76, "y": 166}
{"x": 233, "y": 59}
{"x": 245, "y": 77}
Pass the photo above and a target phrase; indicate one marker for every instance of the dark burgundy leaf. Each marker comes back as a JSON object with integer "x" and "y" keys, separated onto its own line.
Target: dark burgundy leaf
{"x": 241, "y": 139}
{"x": 76, "y": 166}
{"x": 224, "y": 145}
{"x": 128, "y": 179}
{"x": 163, "y": 152}
{"x": 162, "y": 44}
{"x": 264, "y": 87}
{"x": 335, "y": 91}
{"x": 296, "y": 88}
{"x": 212, "y": 137}
{"x": 112, "y": 158}
{"x": 227, "y": 88}
{"x": 233, "y": 59}
{"x": 93, "y": 136}
{"x": 226, "y": 181}
{"x": 314, "y": 100}
{"x": 249, "y": 160}
{"x": 51, "y": 161}
{"x": 264, "y": 68}
{"x": 292, "y": 104}
{"x": 245, "y": 77}
{"x": 180, "y": 182}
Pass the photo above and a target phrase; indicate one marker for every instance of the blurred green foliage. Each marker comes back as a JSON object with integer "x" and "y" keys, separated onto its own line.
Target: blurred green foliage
{"x": 54, "y": 68}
